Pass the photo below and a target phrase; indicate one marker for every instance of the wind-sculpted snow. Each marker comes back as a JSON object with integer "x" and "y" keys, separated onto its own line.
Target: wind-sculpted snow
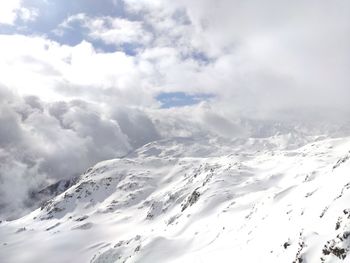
{"x": 197, "y": 201}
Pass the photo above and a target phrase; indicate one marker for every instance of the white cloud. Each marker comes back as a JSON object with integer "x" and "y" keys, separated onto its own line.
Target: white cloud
{"x": 111, "y": 30}
{"x": 118, "y": 31}
{"x": 265, "y": 57}
{"x": 28, "y": 14}
{"x": 259, "y": 59}
{"x": 144, "y": 5}
{"x": 10, "y": 11}
{"x": 64, "y": 72}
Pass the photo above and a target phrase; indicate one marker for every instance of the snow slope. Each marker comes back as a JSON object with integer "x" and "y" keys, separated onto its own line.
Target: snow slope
{"x": 183, "y": 200}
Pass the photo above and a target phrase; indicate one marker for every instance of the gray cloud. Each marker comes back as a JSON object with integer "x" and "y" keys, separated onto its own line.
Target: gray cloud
{"x": 137, "y": 125}
{"x": 278, "y": 55}
{"x": 43, "y": 142}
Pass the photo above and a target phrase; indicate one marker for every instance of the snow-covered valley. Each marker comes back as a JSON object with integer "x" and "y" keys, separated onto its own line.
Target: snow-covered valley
{"x": 182, "y": 200}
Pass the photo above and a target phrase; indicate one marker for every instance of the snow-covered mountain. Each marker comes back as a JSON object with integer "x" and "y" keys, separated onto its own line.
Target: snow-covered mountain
{"x": 278, "y": 199}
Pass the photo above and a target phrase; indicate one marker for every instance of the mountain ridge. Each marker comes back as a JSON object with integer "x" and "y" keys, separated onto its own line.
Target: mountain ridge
{"x": 197, "y": 201}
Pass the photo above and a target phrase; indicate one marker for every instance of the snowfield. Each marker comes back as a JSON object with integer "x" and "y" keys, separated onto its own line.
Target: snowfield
{"x": 278, "y": 199}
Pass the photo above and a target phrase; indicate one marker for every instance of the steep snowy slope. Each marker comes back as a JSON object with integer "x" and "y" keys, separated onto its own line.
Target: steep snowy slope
{"x": 259, "y": 200}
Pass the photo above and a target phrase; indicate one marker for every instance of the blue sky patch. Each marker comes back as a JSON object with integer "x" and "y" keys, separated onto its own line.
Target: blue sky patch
{"x": 53, "y": 13}
{"x": 180, "y": 99}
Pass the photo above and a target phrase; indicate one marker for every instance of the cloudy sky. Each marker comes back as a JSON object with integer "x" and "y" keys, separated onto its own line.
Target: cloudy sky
{"x": 86, "y": 80}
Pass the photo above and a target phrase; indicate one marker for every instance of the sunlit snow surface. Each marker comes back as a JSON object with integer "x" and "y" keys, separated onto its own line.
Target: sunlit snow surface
{"x": 198, "y": 201}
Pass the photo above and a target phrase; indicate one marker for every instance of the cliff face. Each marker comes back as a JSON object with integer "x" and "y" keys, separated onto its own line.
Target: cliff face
{"x": 197, "y": 201}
